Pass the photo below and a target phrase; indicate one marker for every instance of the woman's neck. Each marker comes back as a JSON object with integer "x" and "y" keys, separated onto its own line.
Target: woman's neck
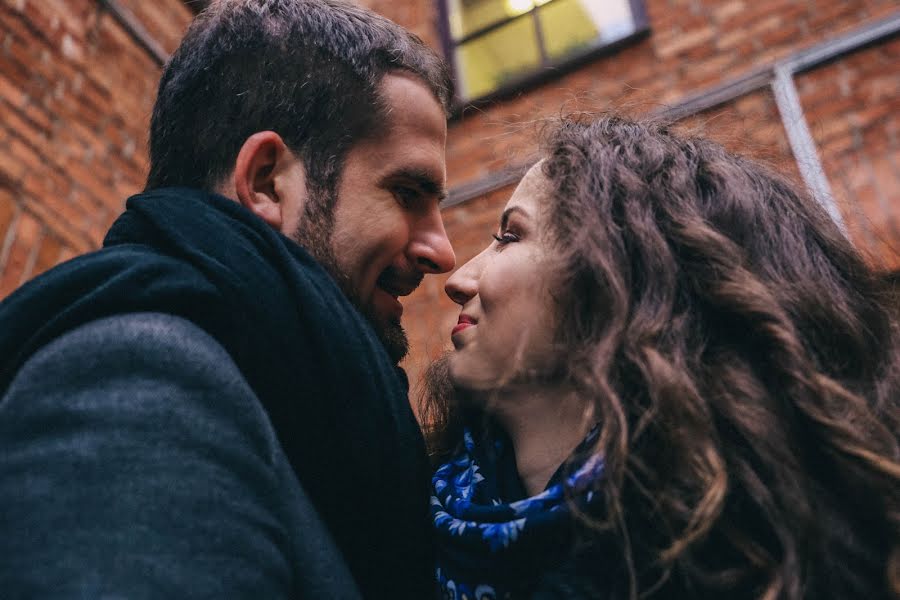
{"x": 545, "y": 426}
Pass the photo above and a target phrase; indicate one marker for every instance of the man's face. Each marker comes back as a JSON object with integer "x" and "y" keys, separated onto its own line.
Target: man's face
{"x": 386, "y": 231}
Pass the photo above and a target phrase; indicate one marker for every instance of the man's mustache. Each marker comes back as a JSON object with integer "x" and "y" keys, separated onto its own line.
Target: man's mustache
{"x": 399, "y": 283}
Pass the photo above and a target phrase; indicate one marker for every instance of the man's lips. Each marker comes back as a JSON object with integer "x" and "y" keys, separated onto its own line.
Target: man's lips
{"x": 397, "y": 286}
{"x": 464, "y": 322}
{"x": 391, "y": 288}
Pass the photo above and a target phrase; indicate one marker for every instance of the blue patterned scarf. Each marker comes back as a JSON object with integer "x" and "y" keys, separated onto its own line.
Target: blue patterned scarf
{"x": 493, "y": 542}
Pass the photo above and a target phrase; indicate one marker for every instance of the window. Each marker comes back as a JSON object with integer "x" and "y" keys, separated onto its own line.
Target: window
{"x": 501, "y": 45}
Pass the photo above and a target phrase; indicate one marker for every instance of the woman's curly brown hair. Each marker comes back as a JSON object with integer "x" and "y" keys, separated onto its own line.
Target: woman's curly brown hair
{"x": 742, "y": 360}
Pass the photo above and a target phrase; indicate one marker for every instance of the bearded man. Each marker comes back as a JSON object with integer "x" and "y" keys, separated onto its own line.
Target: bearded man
{"x": 210, "y": 405}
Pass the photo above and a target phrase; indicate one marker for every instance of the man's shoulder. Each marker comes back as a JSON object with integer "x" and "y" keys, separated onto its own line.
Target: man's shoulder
{"x": 140, "y": 342}
{"x": 159, "y": 365}
{"x": 140, "y": 426}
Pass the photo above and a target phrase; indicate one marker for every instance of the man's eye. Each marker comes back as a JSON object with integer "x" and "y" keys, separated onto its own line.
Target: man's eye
{"x": 406, "y": 195}
{"x": 506, "y": 237}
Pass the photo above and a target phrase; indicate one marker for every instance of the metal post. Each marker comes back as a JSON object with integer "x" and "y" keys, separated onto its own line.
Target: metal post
{"x": 802, "y": 143}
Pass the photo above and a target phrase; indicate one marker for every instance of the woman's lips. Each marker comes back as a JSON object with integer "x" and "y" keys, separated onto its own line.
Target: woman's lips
{"x": 459, "y": 328}
{"x": 463, "y": 323}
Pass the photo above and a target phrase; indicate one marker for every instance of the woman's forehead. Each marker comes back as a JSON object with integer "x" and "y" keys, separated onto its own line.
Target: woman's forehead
{"x": 531, "y": 191}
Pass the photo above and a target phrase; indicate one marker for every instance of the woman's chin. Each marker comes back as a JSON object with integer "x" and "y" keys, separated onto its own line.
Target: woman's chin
{"x": 462, "y": 376}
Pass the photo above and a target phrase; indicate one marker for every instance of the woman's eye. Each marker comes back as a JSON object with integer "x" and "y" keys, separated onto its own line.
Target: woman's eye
{"x": 505, "y": 237}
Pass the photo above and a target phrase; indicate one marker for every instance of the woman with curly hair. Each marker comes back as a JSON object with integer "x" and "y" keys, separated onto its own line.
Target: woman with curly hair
{"x": 673, "y": 377}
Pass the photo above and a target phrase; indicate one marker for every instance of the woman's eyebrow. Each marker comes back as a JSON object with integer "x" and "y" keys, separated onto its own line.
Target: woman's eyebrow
{"x": 504, "y": 218}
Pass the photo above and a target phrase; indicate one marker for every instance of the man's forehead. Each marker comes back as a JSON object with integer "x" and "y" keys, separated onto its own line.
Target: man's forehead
{"x": 408, "y": 102}
{"x": 411, "y": 142}
{"x": 398, "y": 83}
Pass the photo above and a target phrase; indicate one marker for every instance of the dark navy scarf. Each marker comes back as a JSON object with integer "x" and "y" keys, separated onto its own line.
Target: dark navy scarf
{"x": 338, "y": 405}
{"x": 493, "y": 542}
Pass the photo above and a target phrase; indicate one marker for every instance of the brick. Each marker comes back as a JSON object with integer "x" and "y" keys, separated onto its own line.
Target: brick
{"x": 11, "y": 92}
{"x": 23, "y": 153}
{"x": 25, "y": 127}
{"x": 14, "y": 270}
{"x": 37, "y": 115}
{"x": 824, "y": 130}
{"x": 736, "y": 39}
{"x": 882, "y": 88}
{"x": 8, "y": 208}
{"x": 67, "y": 253}
{"x": 11, "y": 169}
{"x": 886, "y": 176}
{"x": 680, "y": 43}
{"x": 8, "y": 235}
{"x": 168, "y": 21}
{"x": 779, "y": 36}
{"x": 38, "y": 189}
{"x": 820, "y": 91}
{"x": 840, "y": 146}
{"x": 709, "y": 71}
{"x": 725, "y": 10}
{"x": 831, "y": 15}
{"x": 755, "y": 12}
{"x": 25, "y": 51}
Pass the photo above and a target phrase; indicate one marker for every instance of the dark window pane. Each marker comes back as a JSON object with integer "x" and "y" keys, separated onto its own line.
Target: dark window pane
{"x": 491, "y": 60}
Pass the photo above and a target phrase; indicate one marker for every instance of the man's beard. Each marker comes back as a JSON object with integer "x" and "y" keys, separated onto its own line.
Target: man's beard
{"x": 315, "y": 233}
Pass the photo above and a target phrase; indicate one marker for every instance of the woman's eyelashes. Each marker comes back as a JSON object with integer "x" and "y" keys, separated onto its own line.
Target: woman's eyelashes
{"x": 505, "y": 237}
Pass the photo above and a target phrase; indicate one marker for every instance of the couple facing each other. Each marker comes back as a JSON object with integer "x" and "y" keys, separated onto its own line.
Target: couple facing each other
{"x": 676, "y": 375}
{"x": 672, "y": 376}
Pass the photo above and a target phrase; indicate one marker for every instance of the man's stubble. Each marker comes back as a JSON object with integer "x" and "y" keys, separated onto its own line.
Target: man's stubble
{"x": 315, "y": 233}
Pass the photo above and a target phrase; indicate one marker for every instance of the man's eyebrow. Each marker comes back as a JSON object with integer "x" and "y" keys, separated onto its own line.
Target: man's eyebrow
{"x": 424, "y": 180}
{"x": 504, "y": 218}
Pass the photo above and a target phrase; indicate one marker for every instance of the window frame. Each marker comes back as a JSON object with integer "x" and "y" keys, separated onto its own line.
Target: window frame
{"x": 548, "y": 69}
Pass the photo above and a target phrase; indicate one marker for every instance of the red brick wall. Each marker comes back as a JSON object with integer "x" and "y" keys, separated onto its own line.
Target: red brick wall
{"x": 76, "y": 93}
{"x": 693, "y": 44}
{"x": 854, "y": 108}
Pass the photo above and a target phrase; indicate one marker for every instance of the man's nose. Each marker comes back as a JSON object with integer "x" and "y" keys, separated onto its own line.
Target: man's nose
{"x": 429, "y": 249}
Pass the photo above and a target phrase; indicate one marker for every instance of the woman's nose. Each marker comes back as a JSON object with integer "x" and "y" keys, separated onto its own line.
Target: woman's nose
{"x": 462, "y": 286}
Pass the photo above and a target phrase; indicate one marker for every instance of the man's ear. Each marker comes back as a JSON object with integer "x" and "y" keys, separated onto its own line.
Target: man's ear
{"x": 264, "y": 180}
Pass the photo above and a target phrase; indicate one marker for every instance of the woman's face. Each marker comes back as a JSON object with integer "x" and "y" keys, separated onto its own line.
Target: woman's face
{"x": 506, "y": 326}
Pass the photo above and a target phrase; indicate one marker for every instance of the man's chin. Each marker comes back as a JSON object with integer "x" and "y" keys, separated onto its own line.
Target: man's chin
{"x": 393, "y": 338}
{"x": 315, "y": 236}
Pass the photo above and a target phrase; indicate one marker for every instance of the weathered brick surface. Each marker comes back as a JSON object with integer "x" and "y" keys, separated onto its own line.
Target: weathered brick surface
{"x": 76, "y": 93}
{"x": 22, "y": 244}
{"x": 854, "y": 111}
{"x": 694, "y": 44}
{"x": 166, "y": 20}
{"x": 750, "y": 126}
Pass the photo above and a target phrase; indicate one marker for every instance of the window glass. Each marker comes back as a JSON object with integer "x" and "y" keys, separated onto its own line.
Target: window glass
{"x": 497, "y": 44}
{"x": 468, "y": 16}
{"x": 570, "y": 26}
{"x": 488, "y": 62}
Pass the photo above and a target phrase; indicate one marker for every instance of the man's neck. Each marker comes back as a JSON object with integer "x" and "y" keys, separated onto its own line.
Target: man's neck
{"x": 545, "y": 425}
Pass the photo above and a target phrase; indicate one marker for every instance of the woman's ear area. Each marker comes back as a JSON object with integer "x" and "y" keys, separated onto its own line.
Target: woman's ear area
{"x": 270, "y": 181}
